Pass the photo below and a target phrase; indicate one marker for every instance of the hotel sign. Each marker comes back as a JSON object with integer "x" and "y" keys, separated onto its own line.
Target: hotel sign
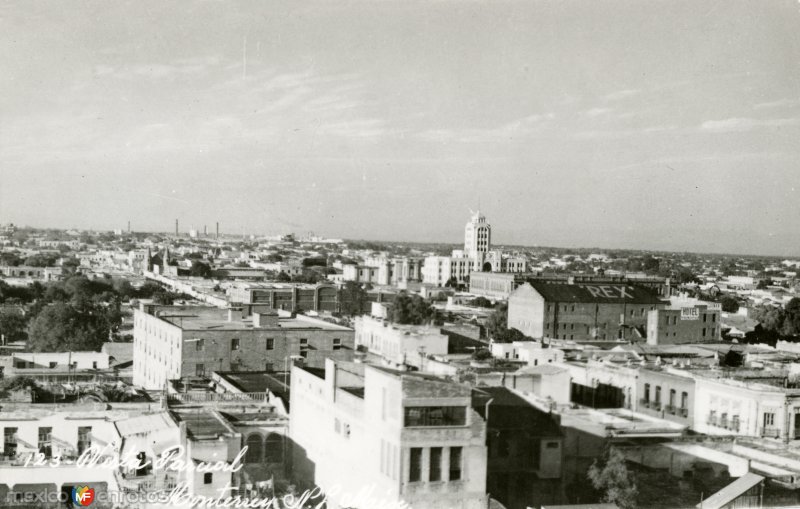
{"x": 690, "y": 314}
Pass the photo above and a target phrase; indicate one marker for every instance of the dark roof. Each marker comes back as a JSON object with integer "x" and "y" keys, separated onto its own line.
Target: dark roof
{"x": 355, "y": 391}
{"x": 501, "y": 396}
{"x": 600, "y": 293}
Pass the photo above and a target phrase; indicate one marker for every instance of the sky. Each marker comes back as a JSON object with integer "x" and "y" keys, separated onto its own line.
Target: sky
{"x": 663, "y": 125}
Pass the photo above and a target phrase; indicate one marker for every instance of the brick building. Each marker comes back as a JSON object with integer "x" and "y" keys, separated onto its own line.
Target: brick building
{"x": 581, "y": 311}
{"x": 179, "y": 342}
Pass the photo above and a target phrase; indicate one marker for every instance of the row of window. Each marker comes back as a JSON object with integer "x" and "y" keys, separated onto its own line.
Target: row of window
{"x": 45, "y": 440}
{"x": 435, "y": 416}
{"x": 435, "y": 456}
{"x": 672, "y": 397}
{"x": 270, "y": 344}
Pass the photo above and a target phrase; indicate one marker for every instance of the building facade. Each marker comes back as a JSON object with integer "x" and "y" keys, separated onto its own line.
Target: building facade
{"x": 407, "y": 437}
{"x": 581, "y": 312}
{"x": 174, "y": 342}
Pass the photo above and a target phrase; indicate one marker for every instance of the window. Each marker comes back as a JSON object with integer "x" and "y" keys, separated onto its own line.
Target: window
{"x": 269, "y": 367}
{"x": 53, "y": 365}
{"x": 46, "y": 441}
{"x": 647, "y": 392}
{"x": 713, "y": 318}
{"x": 684, "y": 400}
{"x": 672, "y": 397}
{"x": 200, "y": 370}
{"x": 199, "y": 344}
{"x": 415, "y": 465}
{"x": 274, "y": 448}
{"x": 235, "y": 344}
{"x": 208, "y": 477}
{"x": 337, "y": 343}
{"x": 435, "y": 464}
{"x": 270, "y": 343}
{"x": 94, "y": 364}
{"x": 435, "y": 416}
{"x": 658, "y": 395}
{"x": 10, "y": 442}
{"x": 769, "y": 419}
{"x": 704, "y": 332}
{"x": 303, "y": 342}
{"x": 84, "y": 438}
{"x": 455, "y": 463}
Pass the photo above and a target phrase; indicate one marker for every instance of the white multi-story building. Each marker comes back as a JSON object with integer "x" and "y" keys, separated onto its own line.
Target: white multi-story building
{"x": 404, "y": 438}
{"x": 400, "y": 345}
{"x": 477, "y": 255}
{"x": 530, "y": 352}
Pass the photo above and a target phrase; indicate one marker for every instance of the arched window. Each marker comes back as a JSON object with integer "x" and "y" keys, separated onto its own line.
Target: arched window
{"x": 274, "y": 448}
{"x": 255, "y": 453}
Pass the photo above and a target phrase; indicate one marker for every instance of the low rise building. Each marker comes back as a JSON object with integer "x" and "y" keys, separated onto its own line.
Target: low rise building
{"x": 399, "y": 345}
{"x": 176, "y": 342}
{"x": 684, "y": 321}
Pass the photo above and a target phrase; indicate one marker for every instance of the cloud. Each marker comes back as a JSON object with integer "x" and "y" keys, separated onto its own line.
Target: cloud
{"x": 157, "y": 70}
{"x": 737, "y": 124}
{"x": 518, "y": 128}
{"x": 596, "y": 112}
{"x": 622, "y": 94}
{"x": 780, "y": 103}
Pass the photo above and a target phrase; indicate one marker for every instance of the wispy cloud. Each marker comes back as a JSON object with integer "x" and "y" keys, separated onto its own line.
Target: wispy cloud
{"x": 596, "y": 112}
{"x": 158, "y": 70}
{"x": 780, "y": 103}
{"x": 737, "y": 124}
{"x": 622, "y": 94}
{"x": 520, "y": 128}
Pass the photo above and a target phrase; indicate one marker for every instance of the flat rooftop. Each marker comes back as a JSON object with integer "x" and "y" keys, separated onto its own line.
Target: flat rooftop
{"x": 212, "y": 318}
{"x": 202, "y": 423}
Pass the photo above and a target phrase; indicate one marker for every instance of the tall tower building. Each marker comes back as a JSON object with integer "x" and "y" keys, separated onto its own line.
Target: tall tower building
{"x": 477, "y": 237}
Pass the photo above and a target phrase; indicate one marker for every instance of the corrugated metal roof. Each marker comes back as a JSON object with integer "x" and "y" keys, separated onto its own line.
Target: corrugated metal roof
{"x": 731, "y": 491}
{"x": 144, "y": 424}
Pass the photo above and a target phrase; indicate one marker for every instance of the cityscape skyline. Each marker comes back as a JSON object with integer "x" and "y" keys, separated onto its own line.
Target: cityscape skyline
{"x": 272, "y": 118}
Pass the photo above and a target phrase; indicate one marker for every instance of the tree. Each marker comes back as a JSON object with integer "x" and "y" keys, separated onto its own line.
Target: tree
{"x": 59, "y": 327}
{"x": 510, "y": 335}
{"x": 481, "y": 354}
{"x": 729, "y": 304}
{"x": 352, "y": 299}
{"x": 200, "y": 269}
{"x": 497, "y": 323}
{"x": 482, "y": 302}
{"x": 451, "y": 283}
{"x": 411, "y": 310}
{"x": 12, "y": 325}
{"x": 609, "y": 475}
{"x": 791, "y": 321}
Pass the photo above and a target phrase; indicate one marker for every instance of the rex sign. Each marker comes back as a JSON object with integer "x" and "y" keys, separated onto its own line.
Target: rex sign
{"x": 609, "y": 292}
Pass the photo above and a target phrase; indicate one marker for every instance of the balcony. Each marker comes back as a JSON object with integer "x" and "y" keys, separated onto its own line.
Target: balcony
{"x": 671, "y": 409}
{"x": 683, "y": 412}
{"x": 770, "y": 432}
{"x": 644, "y": 403}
